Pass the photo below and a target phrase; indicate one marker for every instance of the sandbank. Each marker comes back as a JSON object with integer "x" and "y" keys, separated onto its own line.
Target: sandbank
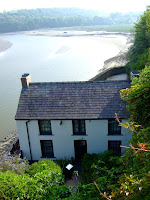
{"x": 118, "y": 39}
{"x": 4, "y": 45}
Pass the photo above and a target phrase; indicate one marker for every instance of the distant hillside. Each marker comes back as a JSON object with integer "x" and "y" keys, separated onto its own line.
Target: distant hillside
{"x": 23, "y": 20}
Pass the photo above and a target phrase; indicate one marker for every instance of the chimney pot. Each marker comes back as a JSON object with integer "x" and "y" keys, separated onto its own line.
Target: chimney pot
{"x": 25, "y": 80}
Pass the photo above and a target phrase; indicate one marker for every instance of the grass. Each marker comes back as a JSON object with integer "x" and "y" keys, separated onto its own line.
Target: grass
{"x": 110, "y": 28}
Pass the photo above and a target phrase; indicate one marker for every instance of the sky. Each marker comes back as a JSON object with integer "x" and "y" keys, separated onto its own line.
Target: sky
{"x": 105, "y": 5}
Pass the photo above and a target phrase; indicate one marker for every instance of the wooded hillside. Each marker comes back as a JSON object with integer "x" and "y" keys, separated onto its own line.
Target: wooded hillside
{"x": 23, "y": 20}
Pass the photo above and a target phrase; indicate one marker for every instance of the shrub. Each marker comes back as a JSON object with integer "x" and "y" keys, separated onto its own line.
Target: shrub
{"x": 43, "y": 166}
{"x": 43, "y": 182}
{"x": 90, "y": 160}
{"x": 15, "y": 186}
{"x": 46, "y": 172}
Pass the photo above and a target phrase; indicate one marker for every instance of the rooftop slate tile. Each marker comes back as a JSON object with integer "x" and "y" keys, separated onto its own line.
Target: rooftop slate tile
{"x": 72, "y": 100}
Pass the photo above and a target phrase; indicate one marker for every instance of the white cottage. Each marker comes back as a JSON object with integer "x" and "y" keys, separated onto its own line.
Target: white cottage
{"x": 68, "y": 119}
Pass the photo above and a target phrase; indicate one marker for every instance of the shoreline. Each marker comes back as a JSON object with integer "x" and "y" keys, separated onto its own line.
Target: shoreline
{"x": 120, "y": 59}
{"x": 6, "y": 142}
{"x": 117, "y": 62}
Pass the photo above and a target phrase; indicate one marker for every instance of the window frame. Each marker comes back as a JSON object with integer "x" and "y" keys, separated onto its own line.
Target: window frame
{"x": 79, "y": 124}
{"x": 41, "y": 124}
{"x": 47, "y": 153}
{"x": 113, "y": 127}
{"x": 114, "y": 147}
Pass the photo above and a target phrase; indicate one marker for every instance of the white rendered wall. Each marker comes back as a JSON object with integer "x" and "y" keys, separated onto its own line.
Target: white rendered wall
{"x": 118, "y": 77}
{"x": 63, "y": 139}
{"x": 23, "y": 138}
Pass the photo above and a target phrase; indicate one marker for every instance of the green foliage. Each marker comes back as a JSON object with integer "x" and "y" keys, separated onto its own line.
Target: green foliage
{"x": 139, "y": 53}
{"x": 89, "y": 160}
{"x": 125, "y": 28}
{"x": 44, "y": 180}
{"x": 13, "y": 164}
{"x": 23, "y": 20}
{"x": 43, "y": 166}
{"x": 103, "y": 168}
{"x": 87, "y": 192}
{"x": 138, "y": 97}
{"x": 134, "y": 184}
{"x": 45, "y": 172}
{"x": 15, "y": 186}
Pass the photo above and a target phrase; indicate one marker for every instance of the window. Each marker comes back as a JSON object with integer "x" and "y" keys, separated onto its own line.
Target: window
{"x": 45, "y": 127}
{"x": 79, "y": 127}
{"x": 113, "y": 127}
{"x": 47, "y": 148}
{"x": 115, "y": 147}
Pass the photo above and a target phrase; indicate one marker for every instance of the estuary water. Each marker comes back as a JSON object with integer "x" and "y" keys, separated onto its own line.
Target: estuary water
{"x": 49, "y": 59}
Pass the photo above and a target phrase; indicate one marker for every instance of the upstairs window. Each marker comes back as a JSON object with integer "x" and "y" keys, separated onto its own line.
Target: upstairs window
{"x": 115, "y": 147}
{"x": 47, "y": 149}
{"x": 79, "y": 127}
{"x": 113, "y": 127}
{"x": 45, "y": 127}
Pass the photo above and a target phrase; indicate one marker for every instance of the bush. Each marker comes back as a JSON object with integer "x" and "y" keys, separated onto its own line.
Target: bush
{"x": 43, "y": 166}
{"x": 90, "y": 159}
{"x": 15, "y": 186}
{"x": 46, "y": 171}
{"x": 44, "y": 180}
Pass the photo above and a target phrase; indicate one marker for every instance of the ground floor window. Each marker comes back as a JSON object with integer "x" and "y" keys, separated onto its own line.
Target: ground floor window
{"x": 114, "y": 146}
{"x": 47, "y": 148}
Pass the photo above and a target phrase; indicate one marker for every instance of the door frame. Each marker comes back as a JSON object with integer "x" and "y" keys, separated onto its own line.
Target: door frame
{"x": 80, "y": 149}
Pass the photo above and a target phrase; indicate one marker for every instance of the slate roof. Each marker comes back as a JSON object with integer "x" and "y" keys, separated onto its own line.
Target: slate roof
{"x": 72, "y": 100}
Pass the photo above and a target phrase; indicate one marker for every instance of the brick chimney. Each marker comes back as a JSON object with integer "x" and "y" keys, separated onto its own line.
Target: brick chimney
{"x": 25, "y": 80}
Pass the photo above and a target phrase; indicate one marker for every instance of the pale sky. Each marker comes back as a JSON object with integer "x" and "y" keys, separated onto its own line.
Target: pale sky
{"x": 105, "y": 5}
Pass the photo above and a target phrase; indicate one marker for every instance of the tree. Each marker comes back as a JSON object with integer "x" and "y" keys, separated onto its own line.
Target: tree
{"x": 138, "y": 98}
{"x": 135, "y": 183}
{"x": 138, "y": 54}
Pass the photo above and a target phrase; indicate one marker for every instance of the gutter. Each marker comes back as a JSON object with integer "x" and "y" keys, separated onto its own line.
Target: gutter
{"x": 29, "y": 138}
